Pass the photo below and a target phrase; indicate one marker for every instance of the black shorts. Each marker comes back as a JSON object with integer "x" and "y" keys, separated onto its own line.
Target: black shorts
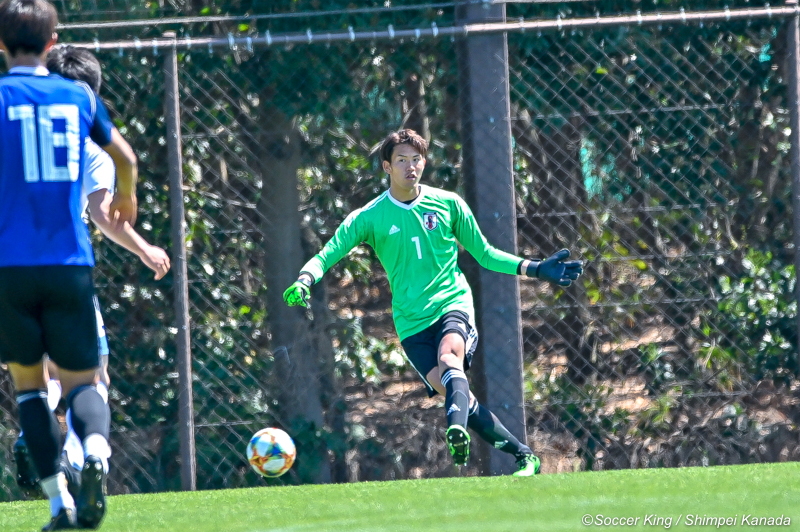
{"x": 422, "y": 348}
{"x": 48, "y": 309}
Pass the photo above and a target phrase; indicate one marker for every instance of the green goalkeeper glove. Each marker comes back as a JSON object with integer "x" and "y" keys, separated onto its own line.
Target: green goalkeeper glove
{"x": 556, "y": 269}
{"x": 298, "y": 293}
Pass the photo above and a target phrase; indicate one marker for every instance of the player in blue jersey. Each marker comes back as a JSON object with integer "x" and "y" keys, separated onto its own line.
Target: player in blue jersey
{"x": 98, "y": 185}
{"x": 46, "y": 290}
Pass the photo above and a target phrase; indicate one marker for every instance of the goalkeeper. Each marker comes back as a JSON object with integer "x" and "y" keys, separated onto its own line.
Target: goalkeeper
{"x": 415, "y": 230}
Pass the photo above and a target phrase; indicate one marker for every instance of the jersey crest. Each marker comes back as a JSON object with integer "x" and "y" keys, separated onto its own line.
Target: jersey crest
{"x": 430, "y": 220}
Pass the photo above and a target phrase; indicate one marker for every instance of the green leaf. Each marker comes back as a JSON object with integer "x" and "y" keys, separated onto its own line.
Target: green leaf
{"x": 593, "y": 294}
{"x": 622, "y": 250}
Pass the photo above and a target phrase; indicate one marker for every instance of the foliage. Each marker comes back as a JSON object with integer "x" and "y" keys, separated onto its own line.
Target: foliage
{"x": 760, "y": 326}
{"x": 666, "y": 147}
{"x": 364, "y": 357}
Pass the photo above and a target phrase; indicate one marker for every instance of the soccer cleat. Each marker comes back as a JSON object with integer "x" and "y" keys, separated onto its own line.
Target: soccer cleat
{"x": 65, "y": 520}
{"x": 27, "y": 478}
{"x": 529, "y": 465}
{"x": 458, "y": 442}
{"x": 73, "y": 477}
{"x": 91, "y": 501}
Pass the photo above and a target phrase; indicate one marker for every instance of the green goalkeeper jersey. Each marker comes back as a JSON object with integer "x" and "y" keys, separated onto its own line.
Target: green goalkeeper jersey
{"x": 417, "y": 245}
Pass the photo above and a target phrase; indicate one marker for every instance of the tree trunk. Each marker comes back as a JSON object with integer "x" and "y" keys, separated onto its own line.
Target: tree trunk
{"x": 297, "y": 362}
{"x": 416, "y": 116}
{"x": 555, "y": 160}
{"x": 332, "y": 393}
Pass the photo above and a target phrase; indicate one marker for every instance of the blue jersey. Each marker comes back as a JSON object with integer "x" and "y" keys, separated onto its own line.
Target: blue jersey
{"x": 44, "y": 121}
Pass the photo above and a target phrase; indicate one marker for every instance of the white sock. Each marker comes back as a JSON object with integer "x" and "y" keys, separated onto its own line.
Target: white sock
{"x": 97, "y": 445}
{"x": 55, "y": 488}
{"x": 53, "y": 394}
{"x": 102, "y": 389}
{"x": 72, "y": 446}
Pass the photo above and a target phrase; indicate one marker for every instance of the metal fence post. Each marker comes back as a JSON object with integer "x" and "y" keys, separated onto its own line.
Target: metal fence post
{"x": 489, "y": 184}
{"x": 793, "y": 100}
{"x": 179, "y": 268}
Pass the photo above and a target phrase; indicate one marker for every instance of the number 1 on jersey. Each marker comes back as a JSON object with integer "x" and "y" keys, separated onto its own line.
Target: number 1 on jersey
{"x": 419, "y": 249}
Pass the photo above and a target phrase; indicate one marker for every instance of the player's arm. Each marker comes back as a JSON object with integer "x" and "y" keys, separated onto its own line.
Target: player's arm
{"x": 124, "y": 235}
{"x": 555, "y": 269}
{"x": 123, "y": 206}
{"x": 348, "y": 235}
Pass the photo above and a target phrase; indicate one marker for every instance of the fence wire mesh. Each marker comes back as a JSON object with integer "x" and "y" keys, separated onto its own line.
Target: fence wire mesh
{"x": 657, "y": 155}
{"x": 663, "y": 156}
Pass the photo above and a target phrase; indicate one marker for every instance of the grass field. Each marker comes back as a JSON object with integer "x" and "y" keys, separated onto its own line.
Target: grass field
{"x": 545, "y": 503}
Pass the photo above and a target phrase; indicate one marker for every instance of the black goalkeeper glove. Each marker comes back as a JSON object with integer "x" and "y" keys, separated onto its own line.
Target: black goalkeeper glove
{"x": 299, "y": 293}
{"x": 555, "y": 270}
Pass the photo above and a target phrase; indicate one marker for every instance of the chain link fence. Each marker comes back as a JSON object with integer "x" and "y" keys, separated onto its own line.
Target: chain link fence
{"x": 658, "y": 155}
{"x": 662, "y": 154}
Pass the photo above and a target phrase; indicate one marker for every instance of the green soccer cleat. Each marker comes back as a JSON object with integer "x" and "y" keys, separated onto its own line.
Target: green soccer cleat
{"x": 529, "y": 465}
{"x": 458, "y": 442}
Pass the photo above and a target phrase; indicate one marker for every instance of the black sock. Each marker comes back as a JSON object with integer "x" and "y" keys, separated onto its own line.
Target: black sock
{"x": 89, "y": 413}
{"x": 488, "y": 427}
{"x": 456, "y": 401}
{"x": 42, "y": 433}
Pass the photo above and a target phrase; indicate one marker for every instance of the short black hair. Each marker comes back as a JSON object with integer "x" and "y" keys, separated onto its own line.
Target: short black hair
{"x": 404, "y": 136}
{"x": 75, "y": 63}
{"x": 27, "y": 26}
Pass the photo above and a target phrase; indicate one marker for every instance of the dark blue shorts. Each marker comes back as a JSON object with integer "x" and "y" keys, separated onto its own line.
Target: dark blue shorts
{"x": 422, "y": 348}
{"x": 48, "y": 309}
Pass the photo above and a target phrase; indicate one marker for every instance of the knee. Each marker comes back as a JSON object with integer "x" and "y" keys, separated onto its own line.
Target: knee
{"x": 451, "y": 343}
{"x": 450, "y": 360}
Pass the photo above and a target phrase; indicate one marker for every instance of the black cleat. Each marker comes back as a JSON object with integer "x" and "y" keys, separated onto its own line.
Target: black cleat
{"x": 27, "y": 478}
{"x": 73, "y": 477}
{"x": 65, "y": 520}
{"x": 91, "y": 501}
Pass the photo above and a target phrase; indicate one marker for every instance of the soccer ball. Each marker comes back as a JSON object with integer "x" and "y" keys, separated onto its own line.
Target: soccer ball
{"x": 271, "y": 452}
